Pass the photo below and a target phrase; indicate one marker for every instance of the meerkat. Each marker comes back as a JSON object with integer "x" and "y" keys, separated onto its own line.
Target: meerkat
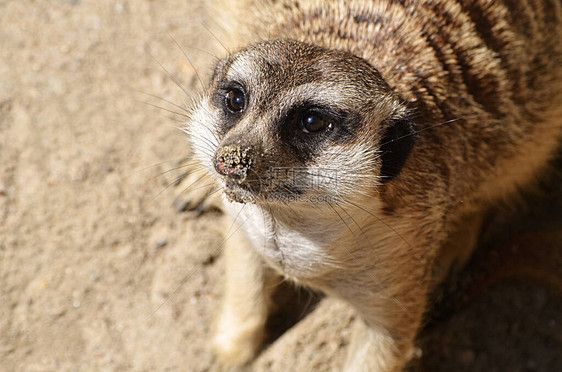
{"x": 358, "y": 145}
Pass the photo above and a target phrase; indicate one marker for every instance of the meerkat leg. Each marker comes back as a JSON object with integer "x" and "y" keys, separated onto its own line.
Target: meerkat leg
{"x": 390, "y": 316}
{"x": 392, "y": 298}
{"x": 376, "y": 349}
{"x": 246, "y": 303}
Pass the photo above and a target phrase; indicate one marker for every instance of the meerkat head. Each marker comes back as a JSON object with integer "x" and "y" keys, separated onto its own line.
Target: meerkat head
{"x": 287, "y": 121}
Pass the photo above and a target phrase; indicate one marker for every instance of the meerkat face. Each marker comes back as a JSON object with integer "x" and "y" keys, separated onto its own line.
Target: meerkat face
{"x": 290, "y": 122}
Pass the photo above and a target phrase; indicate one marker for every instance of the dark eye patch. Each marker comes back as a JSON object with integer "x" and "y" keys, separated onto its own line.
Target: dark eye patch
{"x": 309, "y": 129}
{"x": 307, "y": 119}
{"x": 232, "y": 100}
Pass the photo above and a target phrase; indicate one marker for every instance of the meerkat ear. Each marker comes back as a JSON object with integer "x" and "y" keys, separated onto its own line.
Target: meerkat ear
{"x": 395, "y": 147}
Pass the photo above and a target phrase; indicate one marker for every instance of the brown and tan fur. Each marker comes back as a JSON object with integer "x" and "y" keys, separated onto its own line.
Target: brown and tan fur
{"x": 484, "y": 79}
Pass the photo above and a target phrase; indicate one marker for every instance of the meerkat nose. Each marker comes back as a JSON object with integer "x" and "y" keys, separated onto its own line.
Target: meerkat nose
{"x": 233, "y": 161}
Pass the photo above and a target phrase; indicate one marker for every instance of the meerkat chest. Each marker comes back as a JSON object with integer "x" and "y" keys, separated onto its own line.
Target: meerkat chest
{"x": 300, "y": 248}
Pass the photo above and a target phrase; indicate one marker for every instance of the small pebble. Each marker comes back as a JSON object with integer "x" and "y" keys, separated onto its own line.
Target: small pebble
{"x": 209, "y": 260}
{"x": 3, "y": 191}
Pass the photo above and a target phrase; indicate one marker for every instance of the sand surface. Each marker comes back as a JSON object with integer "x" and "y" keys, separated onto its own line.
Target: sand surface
{"x": 98, "y": 269}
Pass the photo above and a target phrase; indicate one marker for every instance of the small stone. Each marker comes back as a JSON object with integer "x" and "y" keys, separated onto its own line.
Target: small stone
{"x": 161, "y": 243}
{"x": 209, "y": 260}
{"x": 56, "y": 311}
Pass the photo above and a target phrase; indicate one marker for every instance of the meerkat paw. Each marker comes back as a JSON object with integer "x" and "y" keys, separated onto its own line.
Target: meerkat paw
{"x": 374, "y": 350}
{"x": 198, "y": 191}
{"x": 237, "y": 342}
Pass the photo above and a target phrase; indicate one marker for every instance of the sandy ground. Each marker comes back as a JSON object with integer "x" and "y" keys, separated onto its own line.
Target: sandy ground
{"x": 91, "y": 245}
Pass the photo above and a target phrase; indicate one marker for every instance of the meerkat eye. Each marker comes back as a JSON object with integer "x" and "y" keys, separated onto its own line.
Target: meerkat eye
{"x": 312, "y": 122}
{"x": 235, "y": 100}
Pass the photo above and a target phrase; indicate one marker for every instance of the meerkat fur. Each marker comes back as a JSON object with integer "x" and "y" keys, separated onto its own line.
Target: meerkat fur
{"x": 430, "y": 113}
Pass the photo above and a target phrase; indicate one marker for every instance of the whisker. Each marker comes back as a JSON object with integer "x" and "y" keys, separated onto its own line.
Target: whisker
{"x": 421, "y": 130}
{"x": 209, "y": 185}
{"x": 393, "y": 298}
{"x": 206, "y": 151}
{"x": 204, "y": 139}
{"x": 137, "y": 171}
{"x": 162, "y": 99}
{"x": 187, "y": 130}
{"x": 204, "y": 51}
{"x": 188, "y": 60}
{"x": 175, "y": 181}
{"x": 360, "y": 229}
{"x": 176, "y": 81}
{"x": 164, "y": 109}
{"x": 389, "y": 227}
{"x": 215, "y": 37}
{"x": 178, "y": 167}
